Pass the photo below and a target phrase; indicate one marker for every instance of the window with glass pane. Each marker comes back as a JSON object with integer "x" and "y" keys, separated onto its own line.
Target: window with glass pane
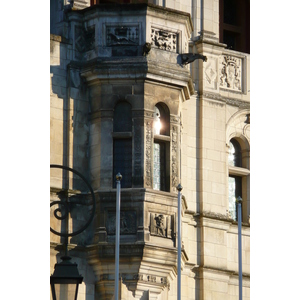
{"x": 122, "y": 117}
{"x": 122, "y": 144}
{"x": 161, "y": 119}
{"x": 157, "y": 121}
{"x": 235, "y": 191}
{"x": 234, "y": 24}
{"x": 123, "y": 161}
{"x": 159, "y": 166}
{"x": 235, "y": 154}
{"x": 161, "y": 148}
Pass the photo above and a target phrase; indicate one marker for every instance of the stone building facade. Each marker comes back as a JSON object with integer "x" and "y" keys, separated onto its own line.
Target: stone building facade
{"x": 119, "y": 69}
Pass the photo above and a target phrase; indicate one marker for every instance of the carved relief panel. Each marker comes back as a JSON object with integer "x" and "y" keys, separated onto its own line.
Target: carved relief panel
{"x": 127, "y": 34}
{"x": 211, "y": 73}
{"x": 231, "y": 73}
{"x": 127, "y": 222}
{"x": 84, "y": 39}
{"x": 162, "y": 225}
{"x": 164, "y": 40}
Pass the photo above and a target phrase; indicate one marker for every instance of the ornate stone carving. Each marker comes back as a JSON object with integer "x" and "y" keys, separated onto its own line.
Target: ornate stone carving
{"x": 122, "y": 35}
{"x": 148, "y": 154}
{"x": 127, "y": 222}
{"x": 174, "y": 158}
{"x": 231, "y": 77}
{"x": 164, "y": 40}
{"x": 161, "y": 225}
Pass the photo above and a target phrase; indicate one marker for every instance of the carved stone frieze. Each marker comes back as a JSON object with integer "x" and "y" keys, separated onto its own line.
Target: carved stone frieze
{"x": 122, "y": 35}
{"x": 127, "y": 222}
{"x": 164, "y": 40}
{"x": 162, "y": 225}
{"x": 231, "y": 73}
{"x": 160, "y": 280}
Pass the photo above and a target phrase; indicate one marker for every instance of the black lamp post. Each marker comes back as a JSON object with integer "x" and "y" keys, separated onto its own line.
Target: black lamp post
{"x": 65, "y": 279}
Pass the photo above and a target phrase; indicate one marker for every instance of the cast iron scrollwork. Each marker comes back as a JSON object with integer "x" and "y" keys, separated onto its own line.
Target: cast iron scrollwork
{"x": 64, "y": 204}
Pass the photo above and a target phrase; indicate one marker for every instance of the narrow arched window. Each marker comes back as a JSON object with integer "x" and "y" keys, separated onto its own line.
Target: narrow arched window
{"x": 122, "y": 144}
{"x": 161, "y": 148}
{"x": 161, "y": 120}
{"x": 235, "y": 154}
{"x": 238, "y": 177}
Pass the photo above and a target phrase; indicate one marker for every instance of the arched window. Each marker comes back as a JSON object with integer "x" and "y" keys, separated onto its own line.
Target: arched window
{"x": 122, "y": 144}
{"x": 235, "y": 154}
{"x": 238, "y": 181}
{"x": 161, "y": 148}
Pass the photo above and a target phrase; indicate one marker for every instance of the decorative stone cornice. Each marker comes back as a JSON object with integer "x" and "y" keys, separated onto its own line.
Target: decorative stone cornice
{"x": 136, "y": 68}
{"x": 226, "y": 100}
{"x": 218, "y": 216}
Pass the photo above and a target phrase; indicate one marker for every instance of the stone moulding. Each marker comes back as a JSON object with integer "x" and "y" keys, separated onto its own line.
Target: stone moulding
{"x": 220, "y": 217}
{"x": 137, "y": 68}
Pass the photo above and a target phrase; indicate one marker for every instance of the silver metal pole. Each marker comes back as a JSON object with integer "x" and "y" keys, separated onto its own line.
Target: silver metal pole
{"x": 240, "y": 246}
{"x": 117, "y": 244}
{"x": 179, "y": 188}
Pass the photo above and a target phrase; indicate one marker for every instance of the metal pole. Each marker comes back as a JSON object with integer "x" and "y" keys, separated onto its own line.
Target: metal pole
{"x": 179, "y": 188}
{"x": 240, "y": 246}
{"x": 117, "y": 244}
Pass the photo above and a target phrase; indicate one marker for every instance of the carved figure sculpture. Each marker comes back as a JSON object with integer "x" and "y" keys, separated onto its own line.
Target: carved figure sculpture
{"x": 160, "y": 225}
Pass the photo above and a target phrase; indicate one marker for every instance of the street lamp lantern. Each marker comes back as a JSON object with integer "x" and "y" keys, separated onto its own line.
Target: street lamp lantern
{"x": 65, "y": 280}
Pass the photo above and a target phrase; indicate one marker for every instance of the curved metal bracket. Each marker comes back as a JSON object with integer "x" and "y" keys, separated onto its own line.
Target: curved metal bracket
{"x": 58, "y": 213}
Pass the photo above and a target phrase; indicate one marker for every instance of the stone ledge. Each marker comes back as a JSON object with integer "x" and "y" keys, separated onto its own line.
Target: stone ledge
{"x": 58, "y": 38}
{"x": 221, "y": 217}
{"x": 230, "y": 101}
